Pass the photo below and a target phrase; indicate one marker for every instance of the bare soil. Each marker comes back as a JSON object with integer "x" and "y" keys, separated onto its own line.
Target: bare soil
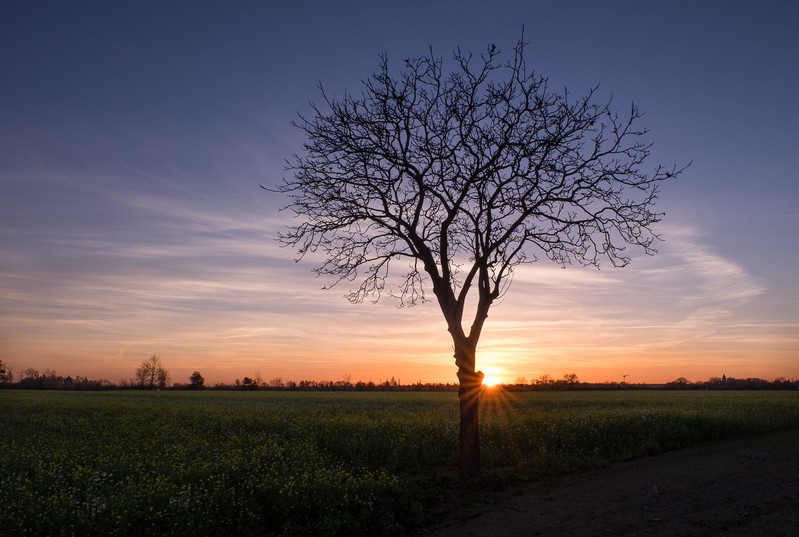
{"x": 742, "y": 487}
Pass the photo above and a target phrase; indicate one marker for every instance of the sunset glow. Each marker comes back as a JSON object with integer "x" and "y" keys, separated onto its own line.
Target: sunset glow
{"x": 132, "y": 221}
{"x": 491, "y": 381}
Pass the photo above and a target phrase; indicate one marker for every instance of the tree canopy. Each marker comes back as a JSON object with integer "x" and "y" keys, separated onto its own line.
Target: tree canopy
{"x": 464, "y": 177}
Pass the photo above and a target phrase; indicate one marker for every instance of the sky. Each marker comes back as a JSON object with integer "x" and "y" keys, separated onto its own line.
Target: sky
{"x": 134, "y": 137}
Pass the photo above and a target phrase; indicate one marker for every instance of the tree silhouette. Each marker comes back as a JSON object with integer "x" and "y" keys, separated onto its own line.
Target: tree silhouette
{"x": 152, "y": 373}
{"x": 196, "y": 380}
{"x": 450, "y": 181}
{"x": 6, "y": 375}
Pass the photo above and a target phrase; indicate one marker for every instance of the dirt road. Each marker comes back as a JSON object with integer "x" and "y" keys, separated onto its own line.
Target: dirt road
{"x": 745, "y": 487}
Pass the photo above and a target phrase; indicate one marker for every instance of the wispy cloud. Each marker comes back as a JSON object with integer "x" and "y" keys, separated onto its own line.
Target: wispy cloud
{"x": 203, "y": 280}
{"x": 689, "y": 292}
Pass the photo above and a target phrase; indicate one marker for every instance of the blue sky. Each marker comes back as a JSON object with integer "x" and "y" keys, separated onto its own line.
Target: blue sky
{"x": 134, "y": 137}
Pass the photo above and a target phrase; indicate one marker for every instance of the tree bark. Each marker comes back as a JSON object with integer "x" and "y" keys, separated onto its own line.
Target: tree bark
{"x": 469, "y": 397}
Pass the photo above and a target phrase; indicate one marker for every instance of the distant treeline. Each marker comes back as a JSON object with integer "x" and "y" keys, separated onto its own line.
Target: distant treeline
{"x": 57, "y": 382}
{"x": 49, "y": 380}
{"x": 728, "y": 383}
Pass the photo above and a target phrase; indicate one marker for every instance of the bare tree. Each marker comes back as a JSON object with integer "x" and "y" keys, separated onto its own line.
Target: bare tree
{"x": 571, "y": 379}
{"x": 451, "y": 181}
{"x": 545, "y": 380}
{"x": 6, "y": 374}
{"x": 30, "y": 373}
{"x": 152, "y": 373}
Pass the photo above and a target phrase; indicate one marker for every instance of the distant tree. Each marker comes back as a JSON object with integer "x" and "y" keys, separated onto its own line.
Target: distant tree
{"x": 680, "y": 383}
{"x": 249, "y": 383}
{"x": 163, "y": 378}
{"x": 143, "y": 376}
{"x": 50, "y": 380}
{"x": 152, "y": 374}
{"x": 450, "y": 181}
{"x": 571, "y": 379}
{"x": 782, "y": 382}
{"x": 276, "y": 382}
{"x": 30, "y": 373}
{"x": 196, "y": 381}
{"x": 521, "y": 380}
{"x": 6, "y": 375}
{"x": 544, "y": 380}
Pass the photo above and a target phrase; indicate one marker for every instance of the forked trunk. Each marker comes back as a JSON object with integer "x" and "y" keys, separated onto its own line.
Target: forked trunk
{"x": 469, "y": 397}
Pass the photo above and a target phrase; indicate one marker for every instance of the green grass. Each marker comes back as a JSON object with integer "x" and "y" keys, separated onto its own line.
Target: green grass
{"x": 300, "y": 463}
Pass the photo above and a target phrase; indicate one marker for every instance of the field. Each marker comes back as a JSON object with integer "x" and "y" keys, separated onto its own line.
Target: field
{"x": 314, "y": 463}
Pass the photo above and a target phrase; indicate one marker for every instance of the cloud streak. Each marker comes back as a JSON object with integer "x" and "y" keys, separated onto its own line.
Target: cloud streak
{"x": 200, "y": 280}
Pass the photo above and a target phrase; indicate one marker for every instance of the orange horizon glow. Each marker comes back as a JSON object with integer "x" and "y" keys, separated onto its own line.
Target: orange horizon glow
{"x": 653, "y": 369}
{"x": 598, "y": 340}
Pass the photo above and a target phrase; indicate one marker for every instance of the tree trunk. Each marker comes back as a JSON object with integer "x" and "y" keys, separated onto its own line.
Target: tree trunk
{"x": 469, "y": 396}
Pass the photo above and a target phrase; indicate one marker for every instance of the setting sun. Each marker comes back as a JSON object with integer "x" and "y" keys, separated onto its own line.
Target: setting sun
{"x": 491, "y": 380}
